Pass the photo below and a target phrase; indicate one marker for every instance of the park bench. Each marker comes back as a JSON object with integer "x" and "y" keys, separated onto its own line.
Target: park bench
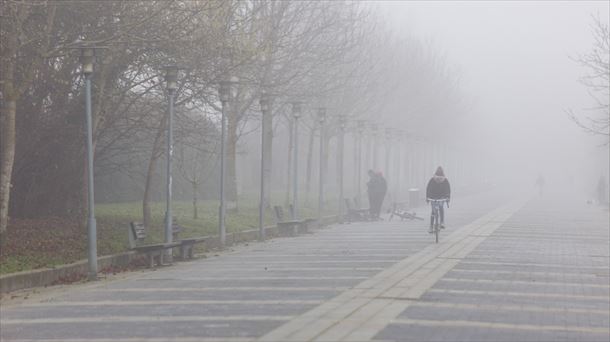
{"x": 355, "y": 214}
{"x": 186, "y": 244}
{"x": 290, "y": 227}
{"x": 137, "y": 234}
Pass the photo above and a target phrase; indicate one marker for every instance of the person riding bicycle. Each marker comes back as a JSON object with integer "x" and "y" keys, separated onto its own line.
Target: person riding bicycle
{"x": 438, "y": 188}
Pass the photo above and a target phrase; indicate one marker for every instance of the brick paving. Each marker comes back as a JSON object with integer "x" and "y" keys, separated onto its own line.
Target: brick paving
{"x": 543, "y": 275}
{"x": 504, "y": 271}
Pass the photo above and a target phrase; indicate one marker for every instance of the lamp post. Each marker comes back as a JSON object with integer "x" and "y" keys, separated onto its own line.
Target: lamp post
{"x": 342, "y": 124}
{"x": 398, "y": 164}
{"x": 296, "y": 114}
{"x": 388, "y": 143}
{"x": 265, "y": 103}
{"x": 359, "y": 162}
{"x": 321, "y": 120}
{"x": 86, "y": 58}
{"x": 374, "y": 129}
{"x": 224, "y": 92}
{"x": 171, "y": 78}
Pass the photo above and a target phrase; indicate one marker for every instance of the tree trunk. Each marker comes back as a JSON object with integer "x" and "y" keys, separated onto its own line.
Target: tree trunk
{"x": 146, "y": 213}
{"x": 231, "y": 180}
{"x": 194, "y": 184}
{"x": 7, "y": 128}
{"x": 268, "y": 131}
{"x": 289, "y": 165}
{"x": 312, "y": 134}
{"x": 7, "y": 119}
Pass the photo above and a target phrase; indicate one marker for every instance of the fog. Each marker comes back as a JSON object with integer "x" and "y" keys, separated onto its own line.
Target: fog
{"x": 516, "y": 65}
{"x": 492, "y": 91}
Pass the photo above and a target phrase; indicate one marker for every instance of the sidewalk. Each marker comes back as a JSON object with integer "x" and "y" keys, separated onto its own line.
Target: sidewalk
{"x": 495, "y": 275}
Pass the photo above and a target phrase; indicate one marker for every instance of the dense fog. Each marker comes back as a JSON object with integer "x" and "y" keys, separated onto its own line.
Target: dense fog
{"x": 498, "y": 93}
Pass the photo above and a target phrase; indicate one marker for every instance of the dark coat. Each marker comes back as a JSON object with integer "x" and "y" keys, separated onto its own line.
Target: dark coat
{"x": 377, "y": 186}
{"x": 438, "y": 188}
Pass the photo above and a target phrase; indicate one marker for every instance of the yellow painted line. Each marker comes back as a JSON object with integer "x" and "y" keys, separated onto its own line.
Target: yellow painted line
{"x": 471, "y": 262}
{"x": 520, "y": 294}
{"x": 140, "y": 319}
{"x": 532, "y": 273}
{"x": 278, "y": 262}
{"x": 223, "y": 289}
{"x": 253, "y": 278}
{"x": 170, "y": 302}
{"x": 535, "y": 283}
{"x": 143, "y": 339}
{"x": 494, "y": 325}
{"x": 520, "y": 308}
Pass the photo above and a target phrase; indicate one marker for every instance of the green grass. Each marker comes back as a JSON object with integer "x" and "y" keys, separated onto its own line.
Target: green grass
{"x": 51, "y": 242}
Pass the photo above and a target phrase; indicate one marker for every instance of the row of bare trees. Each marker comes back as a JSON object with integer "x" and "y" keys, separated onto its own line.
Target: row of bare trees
{"x": 335, "y": 54}
{"x": 596, "y": 62}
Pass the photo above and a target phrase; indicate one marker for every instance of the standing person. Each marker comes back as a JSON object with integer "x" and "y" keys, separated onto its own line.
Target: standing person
{"x": 383, "y": 189}
{"x": 372, "y": 189}
{"x": 438, "y": 188}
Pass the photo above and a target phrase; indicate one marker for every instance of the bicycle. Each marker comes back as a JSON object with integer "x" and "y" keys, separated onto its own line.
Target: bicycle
{"x": 435, "y": 223}
{"x": 402, "y": 213}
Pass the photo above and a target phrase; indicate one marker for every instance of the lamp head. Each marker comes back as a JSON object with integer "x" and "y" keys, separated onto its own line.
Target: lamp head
{"x": 171, "y": 77}
{"x": 87, "y": 56}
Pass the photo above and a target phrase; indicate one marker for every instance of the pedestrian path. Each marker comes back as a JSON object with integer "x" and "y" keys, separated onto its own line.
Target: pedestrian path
{"x": 360, "y": 281}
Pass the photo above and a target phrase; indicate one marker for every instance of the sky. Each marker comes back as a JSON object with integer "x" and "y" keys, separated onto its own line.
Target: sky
{"x": 514, "y": 60}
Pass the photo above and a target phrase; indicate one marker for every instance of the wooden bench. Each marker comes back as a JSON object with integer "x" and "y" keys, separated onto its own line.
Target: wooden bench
{"x": 137, "y": 234}
{"x": 355, "y": 214}
{"x": 186, "y": 244}
{"x": 290, "y": 227}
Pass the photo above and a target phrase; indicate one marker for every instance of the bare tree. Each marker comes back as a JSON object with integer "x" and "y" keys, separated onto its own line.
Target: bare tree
{"x": 597, "y": 81}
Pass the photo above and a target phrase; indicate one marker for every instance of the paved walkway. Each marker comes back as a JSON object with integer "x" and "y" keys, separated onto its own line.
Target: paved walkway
{"x": 505, "y": 270}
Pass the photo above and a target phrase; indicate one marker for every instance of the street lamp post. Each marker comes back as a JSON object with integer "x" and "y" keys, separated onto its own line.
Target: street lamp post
{"x": 265, "y": 103}
{"x": 359, "y": 162}
{"x": 374, "y": 129}
{"x": 296, "y": 114}
{"x": 224, "y": 93}
{"x": 86, "y": 58}
{"x": 171, "y": 77}
{"x": 342, "y": 124}
{"x": 321, "y": 120}
{"x": 388, "y": 143}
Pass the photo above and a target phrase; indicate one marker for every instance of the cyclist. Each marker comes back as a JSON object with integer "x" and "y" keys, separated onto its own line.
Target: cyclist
{"x": 438, "y": 188}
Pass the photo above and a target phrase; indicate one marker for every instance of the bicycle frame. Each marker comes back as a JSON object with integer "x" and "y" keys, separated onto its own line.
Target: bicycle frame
{"x": 435, "y": 216}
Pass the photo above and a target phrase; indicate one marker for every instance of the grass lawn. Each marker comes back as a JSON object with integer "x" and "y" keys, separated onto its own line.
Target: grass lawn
{"x": 47, "y": 242}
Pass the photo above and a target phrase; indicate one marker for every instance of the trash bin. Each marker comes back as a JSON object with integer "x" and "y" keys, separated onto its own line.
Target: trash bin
{"x": 413, "y": 197}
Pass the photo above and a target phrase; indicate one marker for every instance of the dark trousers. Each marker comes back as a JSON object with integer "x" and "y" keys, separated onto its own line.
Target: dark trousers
{"x": 441, "y": 212}
{"x": 375, "y": 202}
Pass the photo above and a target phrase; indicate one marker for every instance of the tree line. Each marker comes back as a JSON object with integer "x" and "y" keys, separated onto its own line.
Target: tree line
{"x": 333, "y": 54}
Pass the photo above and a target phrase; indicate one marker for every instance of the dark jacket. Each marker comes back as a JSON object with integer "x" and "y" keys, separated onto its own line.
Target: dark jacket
{"x": 377, "y": 186}
{"x": 438, "y": 188}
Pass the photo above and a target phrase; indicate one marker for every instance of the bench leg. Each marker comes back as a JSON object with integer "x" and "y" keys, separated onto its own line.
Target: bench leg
{"x": 185, "y": 252}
